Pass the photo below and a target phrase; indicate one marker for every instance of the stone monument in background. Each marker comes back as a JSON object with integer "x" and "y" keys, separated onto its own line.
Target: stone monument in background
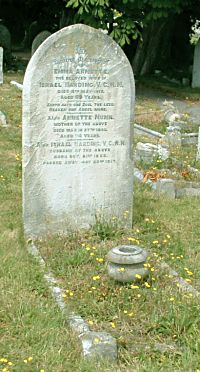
{"x": 38, "y": 40}
{"x": 1, "y": 65}
{"x": 198, "y": 147}
{"x": 196, "y": 67}
{"x": 78, "y": 101}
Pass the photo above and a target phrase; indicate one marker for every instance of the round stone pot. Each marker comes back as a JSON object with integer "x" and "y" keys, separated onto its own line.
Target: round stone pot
{"x": 125, "y": 262}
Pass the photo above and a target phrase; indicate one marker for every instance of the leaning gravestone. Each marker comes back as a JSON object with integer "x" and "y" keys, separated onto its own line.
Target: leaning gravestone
{"x": 42, "y": 36}
{"x": 1, "y": 65}
{"x": 78, "y": 98}
{"x": 196, "y": 67}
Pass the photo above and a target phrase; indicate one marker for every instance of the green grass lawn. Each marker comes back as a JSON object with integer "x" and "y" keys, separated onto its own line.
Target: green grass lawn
{"x": 157, "y": 325}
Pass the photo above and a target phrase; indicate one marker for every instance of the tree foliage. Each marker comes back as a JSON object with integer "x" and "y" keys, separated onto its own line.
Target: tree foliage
{"x": 124, "y": 19}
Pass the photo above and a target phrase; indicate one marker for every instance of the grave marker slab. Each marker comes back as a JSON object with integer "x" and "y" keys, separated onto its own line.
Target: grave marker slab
{"x": 78, "y": 97}
{"x": 1, "y": 65}
{"x": 196, "y": 67}
{"x": 198, "y": 146}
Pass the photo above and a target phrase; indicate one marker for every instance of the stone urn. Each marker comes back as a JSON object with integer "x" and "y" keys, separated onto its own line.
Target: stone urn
{"x": 125, "y": 263}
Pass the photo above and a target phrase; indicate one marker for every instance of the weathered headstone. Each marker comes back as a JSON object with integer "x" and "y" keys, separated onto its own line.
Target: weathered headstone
{"x": 78, "y": 97}
{"x": 198, "y": 146}
{"x": 196, "y": 67}
{"x": 42, "y": 36}
{"x": 1, "y": 65}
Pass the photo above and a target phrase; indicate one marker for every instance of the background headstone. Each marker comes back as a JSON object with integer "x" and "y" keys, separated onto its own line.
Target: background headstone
{"x": 196, "y": 67}
{"x": 5, "y": 43}
{"x": 1, "y": 65}
{"x": 78, "y": 97}
{"x": 43, "y": 35}
{"x": 198, "y": 146}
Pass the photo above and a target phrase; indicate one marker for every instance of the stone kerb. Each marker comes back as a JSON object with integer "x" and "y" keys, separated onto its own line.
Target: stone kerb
{"x": 78, "y": 97}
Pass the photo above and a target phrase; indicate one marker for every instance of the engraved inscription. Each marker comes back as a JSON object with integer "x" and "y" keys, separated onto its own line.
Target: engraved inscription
{"x": 80, "y": 111}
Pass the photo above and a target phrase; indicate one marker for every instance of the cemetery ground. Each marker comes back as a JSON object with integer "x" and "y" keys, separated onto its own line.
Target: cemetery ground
{"x": 156, "y": 322}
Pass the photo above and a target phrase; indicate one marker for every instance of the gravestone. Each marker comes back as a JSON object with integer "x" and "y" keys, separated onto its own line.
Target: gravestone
{"x": 78, "y": 97}
{"x": 43, "y": 35}
{"x": 1, "y": 65}
{"x": 198, "y": 146}
{"x": 196, "y": 67}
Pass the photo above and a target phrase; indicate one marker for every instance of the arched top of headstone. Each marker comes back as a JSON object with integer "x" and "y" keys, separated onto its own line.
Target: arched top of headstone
{"x": 68, "y": 38}
{"x": 78, "y": 98}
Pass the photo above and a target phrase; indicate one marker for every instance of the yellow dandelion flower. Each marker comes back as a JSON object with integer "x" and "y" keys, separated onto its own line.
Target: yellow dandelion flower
{"x": 42, "y": 370}
{"x": 83, "y": 244}
{"x": 93, "y": 288}
{"x": 147, "y": 285}
{"x": 113, "y": 325}
{"x": 90, "y": 322}
{"x": 164, "y": 241}
{"x": 10, "y": 363}
{"x": 64, "y": 295}
{"x": 87, "y": 248}
{"x": 172, "y": 299}
{"x": 25, "y": 361}
{"x": 121, "y": 269}
{"x": 138, "y": 295}
{"x": 152, "y": 269}
{"x": 131, "y": 239}
{"x": 130, "y": 314}
{"x": 152, "y": 221}
{"x": 125, "y": 311}
{"x": 155, "y": 241}
{"x": 96, "y": 277}
{"x": 92, "y": 254}
{"x": 188, "y": 280}
{"x": 138, "y": 276}
{"x": 134, "y": 286}
{"x": 154, "y": 289}
{"x": 94, "y": 248}
{"x": 147, "y": 219}
{"x": 5, "y": 369}
{"x": 97, "y": 340}
{"x": 190, "y": 273}
{"x": 168, "y": 236}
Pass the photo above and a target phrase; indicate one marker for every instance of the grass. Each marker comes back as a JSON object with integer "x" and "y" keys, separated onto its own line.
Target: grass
{"x": 139, "y": 315}
{"x": 156, "y": 324}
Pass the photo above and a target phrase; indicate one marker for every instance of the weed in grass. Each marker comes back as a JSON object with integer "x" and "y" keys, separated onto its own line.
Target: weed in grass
{"x": 106, "y": 229}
